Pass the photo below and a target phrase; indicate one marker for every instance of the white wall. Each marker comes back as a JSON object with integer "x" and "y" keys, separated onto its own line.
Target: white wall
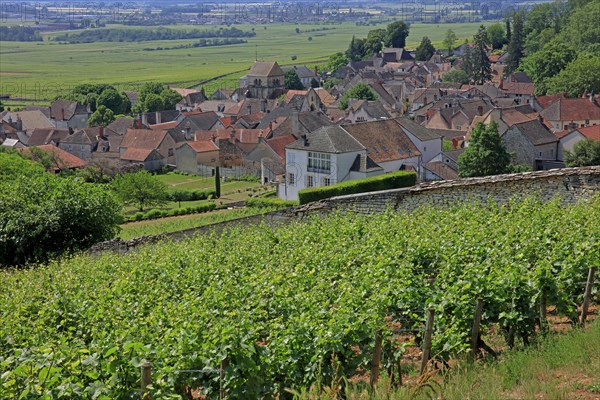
{"x": 567, "y": 143}
{"x": 428, "y": 148}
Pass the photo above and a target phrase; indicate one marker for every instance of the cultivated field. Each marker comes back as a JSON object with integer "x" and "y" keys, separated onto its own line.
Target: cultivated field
{"x": 45, "y": 70}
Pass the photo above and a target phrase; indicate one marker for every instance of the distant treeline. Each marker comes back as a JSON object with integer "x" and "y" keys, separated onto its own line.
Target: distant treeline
{"x": 140, "y": 35}
{"x": 200, "y": 43}
{"x": 19, "y": 34}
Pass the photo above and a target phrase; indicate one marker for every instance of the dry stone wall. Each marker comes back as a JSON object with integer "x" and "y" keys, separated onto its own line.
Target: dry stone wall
{"x": 571, "y": 184}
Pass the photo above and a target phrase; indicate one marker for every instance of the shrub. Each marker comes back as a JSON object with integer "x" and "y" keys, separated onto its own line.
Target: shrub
{"x": 139, "y": 216}
{"x": 259, "y": 202}
{"x": 382, "y": 182}
{"x": 153, "y": 214}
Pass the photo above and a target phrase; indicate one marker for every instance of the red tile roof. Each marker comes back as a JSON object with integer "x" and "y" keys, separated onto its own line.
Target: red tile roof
{"x": 591, "y": 132}
{"x": 202, "y": 146}
{"x": 136, "y": 154}
{"x": 278, "y": 144}
{"x": 571, "y": 110}
{"x": 65, "y": 160}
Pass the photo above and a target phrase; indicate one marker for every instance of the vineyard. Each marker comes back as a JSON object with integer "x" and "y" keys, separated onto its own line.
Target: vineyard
{"x": 255, "y": 311}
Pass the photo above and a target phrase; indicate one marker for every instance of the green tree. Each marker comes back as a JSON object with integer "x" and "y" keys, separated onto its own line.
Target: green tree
{"x": 101, "y": 117}
{"x": 449, "y": 39}
{"x": 153, "y": 102}
{"x": 508, "y": 31}
{"x": 397, "y": 33}
{"x": 112, "y": 100}
{"x": 46, "y": 215}
{"x": 582, "y": 32}
{"x": 481, "y": 70}
{"x": 360, "y": 91}
{"x": 1, "y": 106}
{"x": 485, "y": 154}
{"x": 292, "y": 81}
{"x": 356, "y": 50}
{"x": 217, "y": 182}
{"x": 169, "y": 98}
{"x": 515, "y": 46}
{"x": 585, "y": 153}
{"x": 456, "y": 76}
{"x": 376, "y": 39}
{"x": 496, "y": 36}
{"x": 336, "y": 61}
{"x": 546, "y": 63}
{"x": 140, "y": 188}
{"x": 425, "y": 50}
{"x": 579, "y": 77}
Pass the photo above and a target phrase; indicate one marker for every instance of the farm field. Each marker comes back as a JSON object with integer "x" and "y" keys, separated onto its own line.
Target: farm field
{"x": 290, "y": 307}
{"x": 43, "y": 70}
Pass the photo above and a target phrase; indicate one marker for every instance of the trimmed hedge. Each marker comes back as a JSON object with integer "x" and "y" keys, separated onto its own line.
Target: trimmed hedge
{"x": 260, "y": 202}
{"x": 190, "y": 195}
{"x": 155, "y": 213}
{"x": 392, "y": 180}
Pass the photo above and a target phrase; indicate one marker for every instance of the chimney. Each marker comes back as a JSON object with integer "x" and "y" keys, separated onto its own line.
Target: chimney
{"x": 271, "y": 126}
{"x": 263, "y": 105}
{"x": 363, "y": 162}
{"x": 213, "y": 138}
{"x": 480, "y": 110}
{"x": 62, "y": 114}
{"x": 158, "y": 117}
{"x": 101, "y": 132}
{"x": 144, "y": 119}
{"x": 187, "y": 135}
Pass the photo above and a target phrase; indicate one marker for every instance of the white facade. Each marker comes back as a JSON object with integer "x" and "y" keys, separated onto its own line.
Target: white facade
{"x": 323, "y": 169}
{"x": 567, "y": 143}
{"x": 428, "y": 148}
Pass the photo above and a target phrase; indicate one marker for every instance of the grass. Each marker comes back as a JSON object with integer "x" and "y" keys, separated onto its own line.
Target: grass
{"x": 562, "y": 366}
{"x": 173, "y": 224}
{"x": 192, "y": 182}
{"x": 127, "y": 66}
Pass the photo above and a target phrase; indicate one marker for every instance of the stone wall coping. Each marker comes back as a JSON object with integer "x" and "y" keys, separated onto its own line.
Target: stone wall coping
{"x": 522, "y": 176}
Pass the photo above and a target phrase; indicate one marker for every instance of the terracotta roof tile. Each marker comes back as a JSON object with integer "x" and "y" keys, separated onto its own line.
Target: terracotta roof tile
{"x": 278, "y": 144}
{"x": 65, "y": 159}
{"x": 136, "y": 154}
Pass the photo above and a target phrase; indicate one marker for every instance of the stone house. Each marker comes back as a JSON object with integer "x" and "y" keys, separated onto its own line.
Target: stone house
{"x": 160, "y": 140}
{"x": 565, "y": 113}
{"x": 67, "y": 114}
{"x": 193, "y": 157}
{"x": 530, "y": 142}
{"x": 83, "y": 142}
{"x": 363, "y": 110}
{"x": 265, "y": 80}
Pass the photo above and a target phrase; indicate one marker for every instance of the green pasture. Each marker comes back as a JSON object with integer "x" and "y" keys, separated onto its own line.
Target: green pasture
{"x": 44, "y": 70}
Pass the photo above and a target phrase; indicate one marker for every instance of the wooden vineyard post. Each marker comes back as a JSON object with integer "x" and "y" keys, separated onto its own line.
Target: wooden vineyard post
{"x": 376, "y": 361}
{"x": 475, "y": 330}
{"x": 427, "y": 341}
{"x": 543, "y": 317}
{"x": 224, "y": 364}
{"x": 587, "y": 295}
{"x": 146, "y": 368}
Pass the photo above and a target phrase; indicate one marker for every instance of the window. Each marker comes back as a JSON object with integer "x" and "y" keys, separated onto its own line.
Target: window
{"x": 326, "y": 181}
{"x": 310, "y": 181}
{"x": 291, "y": 179}
{"x": 587, "y": 122}
{"x": 291, "y": 157}
{"x": 319, "y": 162}
{"x": 82, "y": 148}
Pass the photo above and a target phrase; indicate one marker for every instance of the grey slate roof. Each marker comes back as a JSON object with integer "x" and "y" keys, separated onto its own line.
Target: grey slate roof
{"x": 328, "y": 139}
{"x": 421, "y": 132}
{"x": 536, "y": 132}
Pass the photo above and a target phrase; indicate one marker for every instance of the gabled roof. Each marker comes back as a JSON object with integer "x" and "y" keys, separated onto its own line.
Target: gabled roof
{"x": 442, "y": 170}
{"x": 374, "y": 109}
{"x": 121, "y": 124}
{"x": 65, "y": 160}
{"x": 328, "y": 139}
{"x": 203, "y": 120}
{"x": 384, "y": 140}
{"x": 137, "y": 154}
{"x": 143, "y": 138}
{"x": 201, "y": 146}
{"x": 278, "y": 144}
{"x": 41, "y": 136}
{"x": 30, "y": 119}
{"x": 265, "y": 69}
{"x": 591, "y": 132}
{"x": 64, "y": 110}
{"x": 535, "y": 132}
{"x": 421, "y": 132}
{"x": 364, "y": 163}
{"x": 571, "y": 110}
{"x": 83, "y": 136}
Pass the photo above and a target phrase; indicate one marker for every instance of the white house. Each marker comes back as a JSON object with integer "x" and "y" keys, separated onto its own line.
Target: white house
{"x": 568, "y": 140}
{"x": 321, "y": 158}
{"x": 428, "y": 142}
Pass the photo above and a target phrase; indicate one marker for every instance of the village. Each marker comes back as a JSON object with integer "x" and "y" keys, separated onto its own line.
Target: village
{"x": 297, "y": 139}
